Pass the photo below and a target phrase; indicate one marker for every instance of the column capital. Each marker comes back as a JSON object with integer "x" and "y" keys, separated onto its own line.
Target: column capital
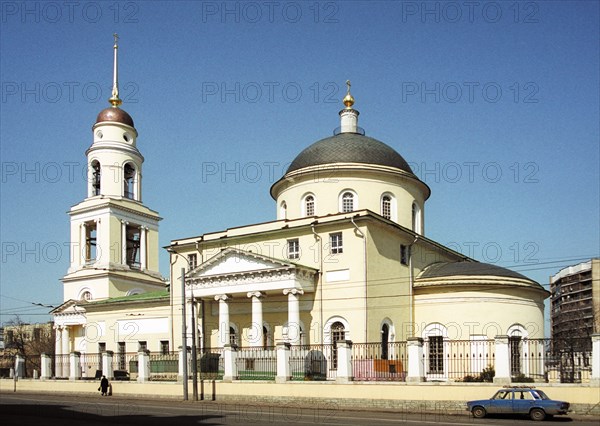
{"x": 223, "y": 297}
{"x": 256, "y": 294}
{"x": 124, "y": 222}
{"x": 293, "y": 291}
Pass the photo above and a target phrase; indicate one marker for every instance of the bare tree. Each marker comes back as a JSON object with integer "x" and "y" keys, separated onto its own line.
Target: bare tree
{"x": 29, "y": 341}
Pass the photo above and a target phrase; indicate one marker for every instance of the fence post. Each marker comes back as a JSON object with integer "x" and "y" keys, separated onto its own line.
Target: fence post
{"x": 19, "y": 366}
{"x": 75, "y": 367}
{"x": 107, "y": 364}
{"x": 143, "y": 366}
{"x": 345, "y": 372}
{"x": 230, "y": 360}
{"x": 502, "y": 361}
{"x": 46, "y": 364}
{"x": 595, "y": 379}
{"x": 180, "y": 373}
{"x": 283, "y": 362}
{"x": 416, "y": 369}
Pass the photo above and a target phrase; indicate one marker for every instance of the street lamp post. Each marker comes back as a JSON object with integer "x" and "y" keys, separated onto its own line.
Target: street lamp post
{"x": 194, "y": 353}
{"x": 184, "y": 337}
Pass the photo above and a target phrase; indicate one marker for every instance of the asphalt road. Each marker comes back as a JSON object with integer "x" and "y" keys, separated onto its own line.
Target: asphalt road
{"x": 24, "y": 409}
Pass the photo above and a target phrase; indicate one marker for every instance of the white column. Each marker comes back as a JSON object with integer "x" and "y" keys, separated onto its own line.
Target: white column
{"x": 416, "y": 368}
{"x": 283, "y": 363}
{"x": 256, "y": 336}
{"x": 124, "y": 242}
{"x": 230, "y": 363}
{"x": 19, "y": 366}
{"x": 595, "y": 379}
{"x": 143, "y": 233}
{"x": 502, "y": 360}
{"x": 344, "y": 367}
{"x": 75, "y": 366}
{"x": 107, "y": 364}
{"x": 83, "y": 245}
{"x": 293, "y": 326}
{"x": 223, "y": 319}
{"x": 66, "y": 349}
{"x": 143, "y": 366}
{"x": 99, "y": 247}
{"x": 46, "y": 367}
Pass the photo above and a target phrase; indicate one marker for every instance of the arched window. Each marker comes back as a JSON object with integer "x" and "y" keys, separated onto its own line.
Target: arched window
{"x": 283, "y": 210}
{"x": 95, "y": 178}
{"x": 233, "y": 338}
{"x": 86, "y": 295}
{"x": 338, "y": 333}
{"x": 386, "y": 206}
{"x": 309, "y": 205}
{"x": 385, "y": 338}
{"x": 347, "y": 202}
{"x": 129, "y": 181}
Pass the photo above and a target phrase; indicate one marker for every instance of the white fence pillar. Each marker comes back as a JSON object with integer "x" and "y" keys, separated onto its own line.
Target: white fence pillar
{"x": 345, "y": 372}
{"x": 230, "y": 358}
{"x": 46, "y": 365}
{"x": 283, "y": 362}
{"x": 143, "y": 366}
{"x": 416, "y": 368}
{"x": 502, "y": 363}
{"x": 19, "y": 366}
{"x": 180, "y": 374}
{"x": 107, "y": 365}
{"x": 75, "y": 366}
{"x": 595, "y": 379}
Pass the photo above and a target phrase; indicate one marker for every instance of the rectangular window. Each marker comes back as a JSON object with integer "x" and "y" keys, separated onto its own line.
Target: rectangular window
{"x": 403, "y": 254}
{"x": 90, "y": 241}
{"x": 293, "y": 249}
{"x": 121, "y": 355}
{"x": 514, "y": 344}
{"x": 101, "y": 350}
{"x": 37, "y": 334}
{"x": 335, "y": 243}
{"x": 164, "y": 347}
{"x": 133, "y": 246}
{"x": 436, "y": 354}
{"x": 192, "y": 260}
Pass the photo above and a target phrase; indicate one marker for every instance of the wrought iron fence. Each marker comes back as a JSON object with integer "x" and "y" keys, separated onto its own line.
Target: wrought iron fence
{"x": 459, "y": 360}
{"x": 257, "y": 363}
{"x": 164, "y": 366}
{"x": 377, "y": 361}
{"x": 211, "y": 364}
{"x": 564, "y": 360}
{"x": 313, "y": 362}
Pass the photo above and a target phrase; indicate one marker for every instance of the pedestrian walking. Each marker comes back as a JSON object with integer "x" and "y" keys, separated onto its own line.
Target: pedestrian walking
{"x": 104, "y": 386}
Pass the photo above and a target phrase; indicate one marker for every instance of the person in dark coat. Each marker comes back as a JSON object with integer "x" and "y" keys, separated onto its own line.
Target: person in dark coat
{"x": 104, "y": 386}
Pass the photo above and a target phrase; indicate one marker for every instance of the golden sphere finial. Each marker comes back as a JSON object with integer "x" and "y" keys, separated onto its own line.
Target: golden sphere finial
{"x": 348, "y": 99}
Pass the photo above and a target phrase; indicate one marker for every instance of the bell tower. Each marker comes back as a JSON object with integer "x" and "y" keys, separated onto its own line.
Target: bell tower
{"x": 114, "y": 236}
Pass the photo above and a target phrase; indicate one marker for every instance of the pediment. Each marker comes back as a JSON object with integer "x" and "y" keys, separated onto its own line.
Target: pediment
{"x": 69, "y": 307}
{"x": 234, "y": 261}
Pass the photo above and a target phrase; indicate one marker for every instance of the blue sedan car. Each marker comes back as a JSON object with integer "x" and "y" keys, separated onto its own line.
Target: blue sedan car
{"x": 518, "y": 400}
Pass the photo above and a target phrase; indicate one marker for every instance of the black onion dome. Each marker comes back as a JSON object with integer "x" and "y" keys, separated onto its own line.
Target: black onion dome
{"x": 349, "y": 148}
{"x": 446, "y": 269}
{"x": 115, "y": 114}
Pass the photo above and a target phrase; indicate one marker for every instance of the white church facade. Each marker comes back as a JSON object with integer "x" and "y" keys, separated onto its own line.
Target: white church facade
{"x": 346, "y": 257}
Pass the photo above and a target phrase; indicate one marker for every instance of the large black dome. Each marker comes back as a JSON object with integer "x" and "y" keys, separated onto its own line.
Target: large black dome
{"x": 349, "y": 148}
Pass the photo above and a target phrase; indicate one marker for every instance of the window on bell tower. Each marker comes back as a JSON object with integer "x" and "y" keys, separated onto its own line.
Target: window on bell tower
{"x": 347, "y": 202}
{"x": 129, "y": 181}
{"x": 133, "y": 243}
{"x": 386, "y": 206}
{"x": 90, "y": 242}
{"x": 95, "y": 178}
{"x": 309, "y": 205}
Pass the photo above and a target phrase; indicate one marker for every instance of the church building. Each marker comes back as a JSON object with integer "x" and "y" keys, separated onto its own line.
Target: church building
{"x": 346, "y": 257}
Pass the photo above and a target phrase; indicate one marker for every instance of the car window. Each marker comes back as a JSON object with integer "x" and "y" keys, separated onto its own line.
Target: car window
{"x": 502, "y": 395}
{"x": 538, "y": 394}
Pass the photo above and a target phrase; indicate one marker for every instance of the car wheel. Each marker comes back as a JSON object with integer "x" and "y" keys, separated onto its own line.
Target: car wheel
{"x": 537, "y": 414}
{"x": 478, "y": 412}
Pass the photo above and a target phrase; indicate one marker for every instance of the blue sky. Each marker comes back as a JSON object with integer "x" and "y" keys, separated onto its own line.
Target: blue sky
{"x": 494, "y": 104}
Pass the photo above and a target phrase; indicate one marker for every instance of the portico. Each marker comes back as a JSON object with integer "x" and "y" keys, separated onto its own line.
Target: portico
{"x": 252, "y": 281}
